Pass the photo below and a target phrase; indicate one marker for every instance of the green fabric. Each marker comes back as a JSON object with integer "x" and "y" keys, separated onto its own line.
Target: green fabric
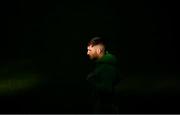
{"x": 105, "y": 73}
{"x": 108, "y": 59}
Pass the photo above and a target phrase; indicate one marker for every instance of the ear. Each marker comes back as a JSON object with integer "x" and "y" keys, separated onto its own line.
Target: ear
{"x": 98, "y": 50}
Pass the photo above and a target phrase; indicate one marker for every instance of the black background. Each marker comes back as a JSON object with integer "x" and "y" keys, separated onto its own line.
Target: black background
{"x": 49, "y": 38}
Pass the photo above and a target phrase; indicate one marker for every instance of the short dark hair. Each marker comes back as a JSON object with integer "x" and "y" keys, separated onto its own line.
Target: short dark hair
{"x": 97, "y": 41}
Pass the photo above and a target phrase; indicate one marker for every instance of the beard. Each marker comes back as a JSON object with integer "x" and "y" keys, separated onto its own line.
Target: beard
{"x": 93, "y": 58}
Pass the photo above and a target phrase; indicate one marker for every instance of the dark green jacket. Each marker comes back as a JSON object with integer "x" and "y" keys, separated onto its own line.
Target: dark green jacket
{"x": 105, "y": 74}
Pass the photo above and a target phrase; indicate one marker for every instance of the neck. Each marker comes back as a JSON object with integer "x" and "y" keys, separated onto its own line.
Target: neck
{"x": 101, "y": 55}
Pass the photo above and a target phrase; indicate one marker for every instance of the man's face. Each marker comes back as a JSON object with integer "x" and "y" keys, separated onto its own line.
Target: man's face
{"x": 91, "y": 52}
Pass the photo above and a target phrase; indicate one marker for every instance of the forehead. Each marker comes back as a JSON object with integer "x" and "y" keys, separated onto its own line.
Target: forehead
{"x": 90, "y": 46}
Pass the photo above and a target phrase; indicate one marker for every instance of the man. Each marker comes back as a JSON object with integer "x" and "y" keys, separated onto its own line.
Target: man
{"x": 104, "y": 77}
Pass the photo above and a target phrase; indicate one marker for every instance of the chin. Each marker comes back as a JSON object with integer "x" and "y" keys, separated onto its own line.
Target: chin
{"x": 91, "y": 58}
